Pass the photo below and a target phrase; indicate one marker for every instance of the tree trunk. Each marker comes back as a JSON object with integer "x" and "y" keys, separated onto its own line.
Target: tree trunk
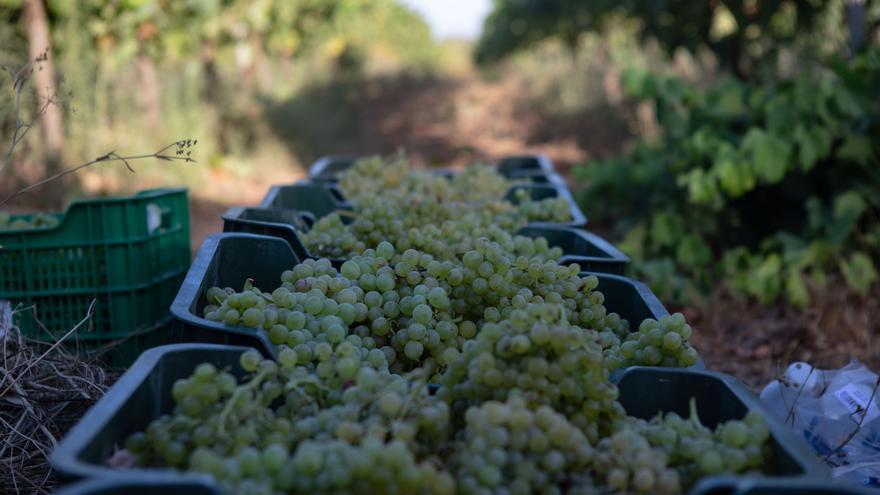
{"x": 262, "y": 69}
{"x": 51, "y": 126}
{"x": 148, "y": 95}
{"x": 211, "y": 90}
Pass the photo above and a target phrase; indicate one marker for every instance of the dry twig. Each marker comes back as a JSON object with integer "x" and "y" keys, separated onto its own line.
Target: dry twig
{"x": 19, "y": 77}
{"x": 43, "y": 392}
{"x": 183, "y": 153}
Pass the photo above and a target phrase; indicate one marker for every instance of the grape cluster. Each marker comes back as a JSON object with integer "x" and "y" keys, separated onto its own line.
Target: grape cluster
{"x": 627, "y": 463}
{"x": 39, "y": 220}
{"x": 657, "y": 343}
{"x": 553, "y": 210}
{"x": 511, "y": 447}
{"x": 419, "y": 210}
{"x": 397, "y": 317}
{"x": 239, "y": 433}
{"x": 536, "y": 352}
{"x": 416, "y": 311}
{"x": 370, "y": 177}
{"x": 695, "y": 450}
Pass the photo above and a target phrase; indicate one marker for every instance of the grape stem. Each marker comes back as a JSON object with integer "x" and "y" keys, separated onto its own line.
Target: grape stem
{"x": 294, "y": 385}
{"x": 227, "y": 409}
{"x": 693, "y": 412}
{"x": 420, "y": 384}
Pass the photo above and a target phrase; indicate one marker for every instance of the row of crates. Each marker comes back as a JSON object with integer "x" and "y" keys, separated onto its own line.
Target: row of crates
{"x": 131, "y": 256}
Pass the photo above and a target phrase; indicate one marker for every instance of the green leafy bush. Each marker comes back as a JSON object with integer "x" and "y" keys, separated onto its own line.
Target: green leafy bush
{"x": 761, "y": 186}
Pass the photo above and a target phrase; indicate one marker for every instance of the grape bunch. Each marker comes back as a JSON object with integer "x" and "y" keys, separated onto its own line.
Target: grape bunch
{"x": 419, "y": 311}
{"x": 426, "y": 212}
{"x": 39, "y": 220}
{"x": 537, "y": 353}
{"x": 695, "y": 450}
{"x": 329, "y": 435}
{"x": 552, "y": 210}
{"x": 662, "y": 342}
{"x": 511, "y": 447}
{"x": 627, "y": 463}
{"x": 373, "y": 176}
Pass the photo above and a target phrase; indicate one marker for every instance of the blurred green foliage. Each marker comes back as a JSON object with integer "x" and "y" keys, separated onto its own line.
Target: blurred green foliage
{"x": 761, "y": 186}
{"x": 207, "y": 68}
{"x": 743, "y": 34}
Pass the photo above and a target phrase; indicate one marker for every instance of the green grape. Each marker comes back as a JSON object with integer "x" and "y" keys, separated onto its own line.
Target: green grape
{"x": 250, "y": 360}
{"x": 413, "y": 350}
{"x": 422, "y": 313}
{"x": 287, "y": 358}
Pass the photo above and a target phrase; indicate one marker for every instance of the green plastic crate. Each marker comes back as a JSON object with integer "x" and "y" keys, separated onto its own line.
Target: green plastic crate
{"x": 129, "y": 254}
{"x": 230, "y": 259}
{"x": 143, "y": 393}
{"x": 327, "y": 168}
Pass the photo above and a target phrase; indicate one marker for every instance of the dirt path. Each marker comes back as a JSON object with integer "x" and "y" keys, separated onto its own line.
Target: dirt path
{"x": 449, "y": 121}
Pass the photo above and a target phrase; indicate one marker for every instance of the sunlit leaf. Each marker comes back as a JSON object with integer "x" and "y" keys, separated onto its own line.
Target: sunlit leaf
{"x": 859, "y": 272}
{"x": 795, "y": 288}
{"x": 770, "y": 154}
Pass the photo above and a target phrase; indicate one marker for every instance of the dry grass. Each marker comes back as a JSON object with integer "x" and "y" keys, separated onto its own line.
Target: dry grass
{"x": 43, "y": 392}
{"x": 756, "y": 343}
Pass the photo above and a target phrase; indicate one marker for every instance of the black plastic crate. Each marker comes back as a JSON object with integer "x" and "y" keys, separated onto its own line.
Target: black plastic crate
{"x": 143, "y": 485}
{"x": 228, "y": 260}
{"x": 323, "y": 198}
{"x": 645, "y": 391}
{"x": 512, "y": 166}
{"x": 143, "y": 393}
{"x": 536, "y": 168}
{"x": 591, "y": 252}
{"x": 579, "y": 246}
{"x": 319, "y": 199}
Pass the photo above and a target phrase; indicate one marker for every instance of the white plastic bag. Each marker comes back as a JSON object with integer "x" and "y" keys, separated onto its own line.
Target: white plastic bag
{"x": 826, "y": 407}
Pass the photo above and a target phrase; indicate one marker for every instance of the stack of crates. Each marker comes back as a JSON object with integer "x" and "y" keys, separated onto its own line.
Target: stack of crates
{"x": 124, "y": 257}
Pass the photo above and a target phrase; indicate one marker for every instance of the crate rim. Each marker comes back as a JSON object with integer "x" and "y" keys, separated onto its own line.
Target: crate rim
{"x": 65, "y": 456}
{"x": 88, "y": 486}
{"x": 188, "y": 294}
{"x": 813, "y": 468}
{"x": 62, "y": 215}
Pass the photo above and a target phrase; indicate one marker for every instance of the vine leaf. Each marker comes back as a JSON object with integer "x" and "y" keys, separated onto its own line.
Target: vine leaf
{"x": 770, "y": 154}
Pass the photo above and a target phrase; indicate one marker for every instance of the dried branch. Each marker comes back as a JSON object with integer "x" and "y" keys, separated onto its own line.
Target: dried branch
{"x": 45, "y": 390}
{"x": 19, "y": 78}
{"x": 790, "y": 416}
{"x": 183, "y": 154}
